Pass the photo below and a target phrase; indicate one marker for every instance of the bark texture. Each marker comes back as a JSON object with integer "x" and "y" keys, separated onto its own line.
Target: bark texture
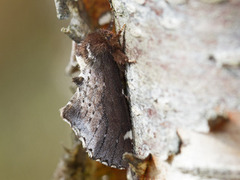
{"x": 184, "y": 88}
{"x": 185, "y": 85}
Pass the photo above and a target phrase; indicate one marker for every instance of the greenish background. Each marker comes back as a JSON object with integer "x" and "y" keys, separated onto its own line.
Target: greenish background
{"x": 33, "y": 86}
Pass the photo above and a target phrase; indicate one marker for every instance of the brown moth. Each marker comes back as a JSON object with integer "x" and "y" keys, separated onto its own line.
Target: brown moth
{"x": 98, "y": 111}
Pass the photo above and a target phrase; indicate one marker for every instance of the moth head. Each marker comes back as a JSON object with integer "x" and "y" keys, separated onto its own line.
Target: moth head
{"x": 114, "y": 44}
{"x": 99, "y": 45}
{"x": 108, "y": 35}
{"x": 111, "y": 39}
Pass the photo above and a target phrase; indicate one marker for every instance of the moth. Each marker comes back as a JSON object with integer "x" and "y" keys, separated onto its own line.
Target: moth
{"x": 98, "y": 111}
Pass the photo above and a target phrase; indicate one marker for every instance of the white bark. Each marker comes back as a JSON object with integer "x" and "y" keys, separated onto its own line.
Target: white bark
{"x": 187, "y": 76}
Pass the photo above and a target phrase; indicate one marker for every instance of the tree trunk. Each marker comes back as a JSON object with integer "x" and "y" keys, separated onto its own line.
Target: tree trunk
{"x": 184, "y": 88}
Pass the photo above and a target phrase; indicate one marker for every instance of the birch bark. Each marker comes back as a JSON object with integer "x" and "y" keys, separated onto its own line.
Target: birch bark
{"x": 185, "y": 86}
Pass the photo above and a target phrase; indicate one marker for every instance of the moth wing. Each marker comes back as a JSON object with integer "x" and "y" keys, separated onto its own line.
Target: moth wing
{"x": 98, "y": 114}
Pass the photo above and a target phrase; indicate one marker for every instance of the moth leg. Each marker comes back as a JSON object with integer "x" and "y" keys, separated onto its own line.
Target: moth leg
{"x": 126, "y": 97}
{"x": 115, "y": 39}
{"x": 120, "y": 31}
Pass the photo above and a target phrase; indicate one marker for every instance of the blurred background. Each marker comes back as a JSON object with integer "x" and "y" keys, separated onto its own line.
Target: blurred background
{"x": 33, "y": 86}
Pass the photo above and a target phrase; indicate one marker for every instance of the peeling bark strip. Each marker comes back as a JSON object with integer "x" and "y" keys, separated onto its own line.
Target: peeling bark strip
{"x": 62, "y": 9}
{"x": 98, "y": 112}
